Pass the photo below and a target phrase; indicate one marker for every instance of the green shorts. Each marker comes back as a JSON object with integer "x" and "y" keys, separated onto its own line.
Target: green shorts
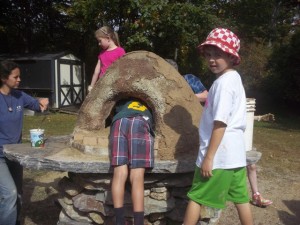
{"x": 224, "y": 185}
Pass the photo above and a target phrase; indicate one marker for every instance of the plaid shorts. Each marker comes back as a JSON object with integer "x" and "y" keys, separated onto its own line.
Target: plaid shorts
{"x": 131, "y": 142}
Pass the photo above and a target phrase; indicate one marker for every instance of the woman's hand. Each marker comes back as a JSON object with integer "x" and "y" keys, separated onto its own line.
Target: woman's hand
{"x": 44, "y": 102}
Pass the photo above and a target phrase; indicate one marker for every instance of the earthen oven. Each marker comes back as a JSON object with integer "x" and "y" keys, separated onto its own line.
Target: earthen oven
{"x": 176, "y": 113}
{"x": 146, "y": 76}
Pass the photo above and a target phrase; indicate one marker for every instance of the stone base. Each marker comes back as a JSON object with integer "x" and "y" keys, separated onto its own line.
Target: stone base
{"x": 86, "y": 199}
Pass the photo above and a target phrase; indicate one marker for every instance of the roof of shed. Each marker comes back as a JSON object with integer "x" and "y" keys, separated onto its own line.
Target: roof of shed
{"x": 33, "y": 56}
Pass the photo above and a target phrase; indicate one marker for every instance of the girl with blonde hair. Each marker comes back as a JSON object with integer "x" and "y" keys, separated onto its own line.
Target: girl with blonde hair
{"x": 111, "y": 51}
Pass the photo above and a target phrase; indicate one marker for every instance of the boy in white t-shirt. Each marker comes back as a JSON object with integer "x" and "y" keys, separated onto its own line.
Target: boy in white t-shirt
{"x": 220, "y": 174}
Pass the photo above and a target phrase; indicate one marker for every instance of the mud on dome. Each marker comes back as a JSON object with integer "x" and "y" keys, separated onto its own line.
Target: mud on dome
{"x": 146, "y": 76}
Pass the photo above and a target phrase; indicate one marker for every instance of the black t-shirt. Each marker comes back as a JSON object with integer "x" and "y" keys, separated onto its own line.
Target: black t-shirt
{"x": 131, "y": 108}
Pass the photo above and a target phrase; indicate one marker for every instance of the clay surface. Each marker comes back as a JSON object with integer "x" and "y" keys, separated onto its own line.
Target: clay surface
{"x": 146, "y": 76}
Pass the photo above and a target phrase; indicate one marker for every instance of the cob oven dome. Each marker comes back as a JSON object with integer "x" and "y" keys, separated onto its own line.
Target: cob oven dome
{"x": 146, "y": 76}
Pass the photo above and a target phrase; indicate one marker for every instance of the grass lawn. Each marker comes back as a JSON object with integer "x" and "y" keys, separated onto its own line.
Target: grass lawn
{"x": 279, "y": 142}
{"x": 53, "y": 123}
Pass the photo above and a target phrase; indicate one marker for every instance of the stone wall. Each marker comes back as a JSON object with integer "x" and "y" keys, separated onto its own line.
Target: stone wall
{"x": 87, "y": 199}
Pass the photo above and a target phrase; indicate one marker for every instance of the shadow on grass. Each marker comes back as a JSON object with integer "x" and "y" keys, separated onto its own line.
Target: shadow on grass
{"x": 39, "y": 202}
{"x": 288, "y": 218}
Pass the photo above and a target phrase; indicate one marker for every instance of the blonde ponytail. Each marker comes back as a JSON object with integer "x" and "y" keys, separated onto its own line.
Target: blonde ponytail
{"x": 105, "y": 32}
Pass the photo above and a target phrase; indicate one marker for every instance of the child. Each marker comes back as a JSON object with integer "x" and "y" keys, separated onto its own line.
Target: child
{"x": 201, "y": 93}
{"x": 111, "y": 51}
{"x": 220, "y": 174}
{"x": 131, "y": 145}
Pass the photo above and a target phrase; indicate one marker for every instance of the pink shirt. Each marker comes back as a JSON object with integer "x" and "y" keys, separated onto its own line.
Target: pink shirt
{"x": 108, "y": 57}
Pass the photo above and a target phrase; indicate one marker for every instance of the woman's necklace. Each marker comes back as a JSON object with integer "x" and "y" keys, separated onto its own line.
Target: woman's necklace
{"x": 9, "y": 107}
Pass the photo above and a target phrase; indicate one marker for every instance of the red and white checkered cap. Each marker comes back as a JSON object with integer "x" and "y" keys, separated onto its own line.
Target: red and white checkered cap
{"x": 224, "y": 39}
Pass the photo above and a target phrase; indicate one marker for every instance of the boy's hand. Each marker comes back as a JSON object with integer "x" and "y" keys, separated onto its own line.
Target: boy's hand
{"x": 216, "y": 137}
{"x": 206, "y": 168}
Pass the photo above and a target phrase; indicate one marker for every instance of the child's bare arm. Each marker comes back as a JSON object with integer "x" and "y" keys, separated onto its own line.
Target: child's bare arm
{"x": 202, "y": 96}
{"x": 216, "y": 138}
{"x": 95, "y": 74}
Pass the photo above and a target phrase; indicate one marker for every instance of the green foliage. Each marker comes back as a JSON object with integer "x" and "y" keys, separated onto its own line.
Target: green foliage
{"x": 253, "y": 65}
{"x": 32, "y": 26}
{"x": 171, "y": 30}
{"x": 284, "y": 68}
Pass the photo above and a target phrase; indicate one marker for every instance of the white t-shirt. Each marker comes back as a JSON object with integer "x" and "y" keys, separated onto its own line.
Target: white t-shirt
{"x": 226, "y": 102}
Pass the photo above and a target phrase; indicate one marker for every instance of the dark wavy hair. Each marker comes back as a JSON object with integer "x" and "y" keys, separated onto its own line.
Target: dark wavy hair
{"x": 6, "y": 66}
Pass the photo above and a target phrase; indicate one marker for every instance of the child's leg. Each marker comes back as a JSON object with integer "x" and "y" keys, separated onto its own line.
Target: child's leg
{"x": 137, "y": 194}
{"x": 257, "y": 199}
{"x": 118, "y": 185}
{"x": 245, "y": 214}
{"x": 141, "y": 157}
{"x": 137, "y": 191}
{"x": 118, "y": 190}
{"x": 252, "y": 177}
{"x": 192, "y": 213}
{"x": 238, "y": 193}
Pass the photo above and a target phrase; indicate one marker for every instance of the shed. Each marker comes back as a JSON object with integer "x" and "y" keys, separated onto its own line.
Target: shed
{"x": 57, "y": 76}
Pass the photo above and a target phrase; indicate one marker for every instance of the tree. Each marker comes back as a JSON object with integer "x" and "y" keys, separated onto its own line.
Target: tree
{"x": 283, "y": 81}
{"x": 29, "y": 25}
{"x": 171, "y": 29}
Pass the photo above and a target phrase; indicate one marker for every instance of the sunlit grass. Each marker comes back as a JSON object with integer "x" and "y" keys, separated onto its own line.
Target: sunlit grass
{"x": 279, "y": 142}
{"x": 53, "y": 123}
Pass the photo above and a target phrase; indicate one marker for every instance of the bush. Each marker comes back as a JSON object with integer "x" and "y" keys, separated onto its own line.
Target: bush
{"x": 284, "y": 69}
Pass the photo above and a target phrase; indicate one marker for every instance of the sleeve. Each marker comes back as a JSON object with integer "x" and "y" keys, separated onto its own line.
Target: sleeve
{"x": 195, "y": 83}
{"x": 122, "y": 52}
{"x": 30, "y": 102}
{"x": 222, "y": 103}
